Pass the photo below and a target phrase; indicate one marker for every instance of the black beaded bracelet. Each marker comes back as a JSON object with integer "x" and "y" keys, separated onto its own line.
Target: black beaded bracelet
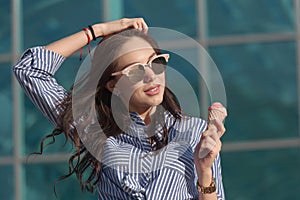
{"x": 92, "y": 31}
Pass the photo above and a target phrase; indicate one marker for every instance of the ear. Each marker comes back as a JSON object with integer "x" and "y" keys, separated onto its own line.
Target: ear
{"x": 110, "y": 85}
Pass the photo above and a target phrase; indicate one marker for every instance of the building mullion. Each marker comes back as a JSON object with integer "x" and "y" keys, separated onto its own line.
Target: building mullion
{"x": 18, "y": 119}
{"x": 297, "y": 27}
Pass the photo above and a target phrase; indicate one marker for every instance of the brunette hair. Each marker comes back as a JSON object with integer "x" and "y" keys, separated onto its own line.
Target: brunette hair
{"x": 82, "y": 161}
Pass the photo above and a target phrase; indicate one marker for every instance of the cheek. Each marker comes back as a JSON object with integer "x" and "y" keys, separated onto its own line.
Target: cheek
{"x": 135, "y": 92}
{"x": 161, "y": 79}
{"x": 127, "y": 90}
{"x": 125, "y": 86}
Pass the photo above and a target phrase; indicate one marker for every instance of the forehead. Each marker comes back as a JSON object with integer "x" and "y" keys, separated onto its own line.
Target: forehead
{"x": 135, "y": 50}
{"x": 134, "y": 44}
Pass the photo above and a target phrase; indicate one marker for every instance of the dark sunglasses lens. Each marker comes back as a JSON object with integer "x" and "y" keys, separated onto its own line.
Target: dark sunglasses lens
{"x": 136, "y": 74}
{"x": 159, "y": 65}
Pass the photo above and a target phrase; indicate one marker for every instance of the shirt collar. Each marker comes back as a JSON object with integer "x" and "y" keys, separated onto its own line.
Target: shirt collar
{"x": 135, "y": 117}
{"x": 139, "y": 129}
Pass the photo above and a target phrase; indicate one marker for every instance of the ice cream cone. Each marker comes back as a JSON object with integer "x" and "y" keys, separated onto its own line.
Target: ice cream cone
{"x": 216, "y": 111}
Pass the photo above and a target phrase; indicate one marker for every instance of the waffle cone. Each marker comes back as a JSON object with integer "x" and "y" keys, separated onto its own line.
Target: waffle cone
{"x": 216, "y": 111}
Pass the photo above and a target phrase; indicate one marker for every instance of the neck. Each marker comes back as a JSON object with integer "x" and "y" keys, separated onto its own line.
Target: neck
{"x": 145, "y": 114}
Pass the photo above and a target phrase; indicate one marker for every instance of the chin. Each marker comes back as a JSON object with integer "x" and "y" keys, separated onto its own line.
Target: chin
{"x": 157, "y": 101}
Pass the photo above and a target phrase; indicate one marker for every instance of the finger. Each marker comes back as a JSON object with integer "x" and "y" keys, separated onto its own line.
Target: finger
{"x": 219, "y": 126}
{"x": 206, "y": 146}
{"x": 213, "y": 134}
{"x": 144, "y": 25}
{"x": 211, "y": 137}
{"x": 212, "y": 131}
{"x": 135, "y": 25}
{"x": 203, "y": 153}
{"x": 130, "y": 22}
{"x": 138, "y": 22}
{"x": 205, "y": 149}
{"x": 218, "y": 147}
{"x": 214, "y": 146}
{"x": 211, "y": 126}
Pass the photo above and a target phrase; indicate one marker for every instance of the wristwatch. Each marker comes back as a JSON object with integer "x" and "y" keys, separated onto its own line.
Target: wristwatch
{"x": 207, "y": 190}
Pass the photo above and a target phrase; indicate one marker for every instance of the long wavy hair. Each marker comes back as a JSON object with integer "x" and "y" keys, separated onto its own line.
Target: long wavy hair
{"x": 98, "y": 102}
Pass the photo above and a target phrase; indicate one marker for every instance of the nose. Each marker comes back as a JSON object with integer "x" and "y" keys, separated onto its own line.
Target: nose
{"x": 149, "y": 75}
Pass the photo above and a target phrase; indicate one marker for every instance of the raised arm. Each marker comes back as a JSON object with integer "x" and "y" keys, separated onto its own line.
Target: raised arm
{"x": 38, "y": 65}
{"x": 68, "y": 45}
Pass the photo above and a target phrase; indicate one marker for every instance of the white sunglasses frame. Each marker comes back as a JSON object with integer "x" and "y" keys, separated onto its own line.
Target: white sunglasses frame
{"x": 127, "y": 69}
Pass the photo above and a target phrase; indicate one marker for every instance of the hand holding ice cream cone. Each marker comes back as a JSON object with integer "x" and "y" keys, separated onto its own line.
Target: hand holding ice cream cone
{"x": 215, "y": 129}
{"x": 216, "y": 112}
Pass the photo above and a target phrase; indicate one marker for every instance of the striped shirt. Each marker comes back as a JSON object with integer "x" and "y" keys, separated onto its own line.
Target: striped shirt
{"x": 130, "y": 168}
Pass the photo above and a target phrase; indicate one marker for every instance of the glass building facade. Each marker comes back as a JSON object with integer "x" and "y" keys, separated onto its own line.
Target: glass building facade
{"x": 254, "y": 43}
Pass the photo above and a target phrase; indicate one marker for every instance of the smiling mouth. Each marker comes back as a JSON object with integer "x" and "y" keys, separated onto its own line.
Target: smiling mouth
{"x": 153, "y": 90}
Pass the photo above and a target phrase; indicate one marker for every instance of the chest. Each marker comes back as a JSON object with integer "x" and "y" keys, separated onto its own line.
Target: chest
{"x": 132, "y": 159}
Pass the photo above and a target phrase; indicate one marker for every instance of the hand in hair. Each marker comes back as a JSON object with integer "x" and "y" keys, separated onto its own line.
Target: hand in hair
{"x": 108, "y": 28}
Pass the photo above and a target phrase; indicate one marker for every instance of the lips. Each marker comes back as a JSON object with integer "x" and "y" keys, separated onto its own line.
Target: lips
{"x": 153, "y": 90}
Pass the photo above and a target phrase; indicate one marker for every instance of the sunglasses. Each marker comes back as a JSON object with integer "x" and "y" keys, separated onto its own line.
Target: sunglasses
{"x": 136, "y": 71}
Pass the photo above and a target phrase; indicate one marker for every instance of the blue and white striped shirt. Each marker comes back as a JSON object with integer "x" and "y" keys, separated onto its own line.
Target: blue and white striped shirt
{"x": 130, "y": 170}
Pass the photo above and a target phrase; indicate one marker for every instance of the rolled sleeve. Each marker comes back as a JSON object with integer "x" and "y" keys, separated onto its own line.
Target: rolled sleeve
{"x": 35, "y": 72}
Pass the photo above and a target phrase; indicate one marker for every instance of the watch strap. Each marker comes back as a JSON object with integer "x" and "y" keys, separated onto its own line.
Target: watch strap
{"x": 207, "y": 190}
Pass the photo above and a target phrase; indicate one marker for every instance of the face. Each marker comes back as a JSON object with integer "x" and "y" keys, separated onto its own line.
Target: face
{"x": 139, "y": 93}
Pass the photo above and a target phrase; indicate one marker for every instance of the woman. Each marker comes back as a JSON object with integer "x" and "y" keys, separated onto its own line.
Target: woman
{"x": 149, "y": 149}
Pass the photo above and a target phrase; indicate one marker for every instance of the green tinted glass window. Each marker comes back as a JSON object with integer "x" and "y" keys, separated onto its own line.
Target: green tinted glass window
{"x": 269, "y": 174}
{"x": 173, "y": 14}
{"x": 56, "y": 19}
{"x": 7, "y": 182}
{"x": 5, "y": 31}
{"x": 261, "y": 88}
{"x": 40, "y": 179}
{"x": 248, "y": 16}
{"x": 6, "y": 109}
